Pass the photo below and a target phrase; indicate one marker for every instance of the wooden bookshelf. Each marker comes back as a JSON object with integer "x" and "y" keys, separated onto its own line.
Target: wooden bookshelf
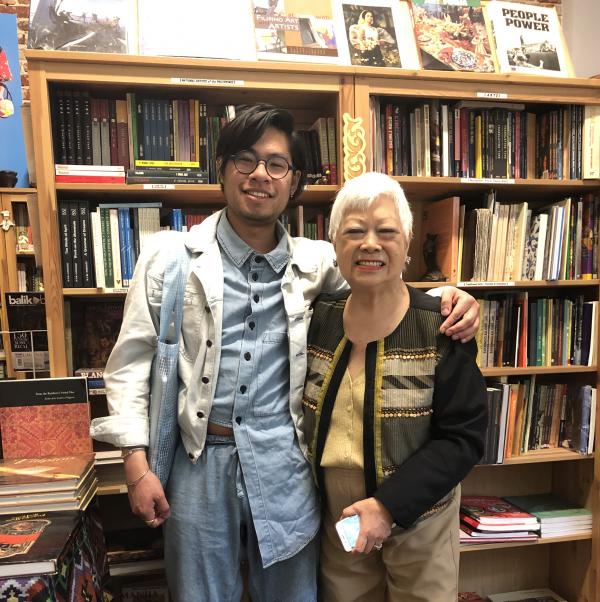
{"x": 570, "y": 565}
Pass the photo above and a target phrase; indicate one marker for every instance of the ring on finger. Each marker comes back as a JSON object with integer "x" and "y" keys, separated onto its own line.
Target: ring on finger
{"x": 151, "y": 522}
{"x": 378, "y": 546}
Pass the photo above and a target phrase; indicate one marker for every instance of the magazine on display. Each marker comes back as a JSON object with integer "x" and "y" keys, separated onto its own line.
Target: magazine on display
{"x": 452, "y": 35}
{"x": 83, "y": 25}
{"x": 376, "y": 33}
{"x": 294, "y": 30}
{"x": 528, "y": 39}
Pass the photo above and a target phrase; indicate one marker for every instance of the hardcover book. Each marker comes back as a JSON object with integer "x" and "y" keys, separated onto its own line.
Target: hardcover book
{"x": 28, "y": 475}
{"x": 529, "y": 595}
{"x": 289, "y": 30}
{"x": 490, "y": 509}
{"x": 528, "y": 39}
{"x": 44, "y": 417}
{"x": 452, "y": 35}
{"x": 549, "y": 508}
{"x": 27, "y": 329}
{"x": 32, "y": 544}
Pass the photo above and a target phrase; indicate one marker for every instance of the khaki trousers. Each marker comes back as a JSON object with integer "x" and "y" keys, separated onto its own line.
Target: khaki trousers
{"x": 415, "y": 565}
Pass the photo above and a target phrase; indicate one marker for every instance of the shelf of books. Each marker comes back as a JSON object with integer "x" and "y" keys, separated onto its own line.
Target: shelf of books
{"x": 501, "y": 174}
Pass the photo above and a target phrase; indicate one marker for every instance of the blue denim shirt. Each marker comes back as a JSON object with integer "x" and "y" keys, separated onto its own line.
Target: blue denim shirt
{"x": 252, "y": 395}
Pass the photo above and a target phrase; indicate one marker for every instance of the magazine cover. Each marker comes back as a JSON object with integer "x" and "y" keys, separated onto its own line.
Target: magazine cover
{"x": 295, "y": 30}
{"x": 12, "y": 156}
{"x": 221, "y": 30}
{"x": 528, "y": 39}
{"x": 26, "y": 314}
{"x": 376, "y": 33}
{"x": 452, "y": 35}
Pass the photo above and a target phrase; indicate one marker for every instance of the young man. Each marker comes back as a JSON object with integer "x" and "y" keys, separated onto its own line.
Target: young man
{"x": 240, "y": 486}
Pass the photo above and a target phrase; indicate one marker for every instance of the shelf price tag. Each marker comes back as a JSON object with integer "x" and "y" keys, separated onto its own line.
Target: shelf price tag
{"x": 200, "y": 81}
{"x": 159, "y": 186}
{"x": 493, "y": 95}
{"x": 487, "y": 181}
{"x": 483, "y": 283}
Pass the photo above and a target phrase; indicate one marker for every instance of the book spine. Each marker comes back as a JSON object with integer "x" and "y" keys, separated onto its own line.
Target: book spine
{"x": 96, "y": 179}
{"x": 124, "y": 250}
{"x": 112, "y": 129}
{"x": 75, "y": 244}
{"x": 70, "y": 125}
{"x": 86, "y": 244}
{"x": 115, "y": 247}
{"x": 104, "y": 130}
{"x": 96, "y": 138}
{"x": 97, "y": 246}
{"x": 65, "y": 243}
{"x": 166, "y": 180}
{"x": 86, "y": 128}
{"x": 107, "y": 250}
{"x": 78, "y": 127}
{"x": 60, "y": 128}
{"x": 122, "y": 134}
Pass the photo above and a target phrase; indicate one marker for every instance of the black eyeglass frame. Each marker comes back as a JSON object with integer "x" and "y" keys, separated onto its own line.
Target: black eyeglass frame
{"x": 235, "y": 156}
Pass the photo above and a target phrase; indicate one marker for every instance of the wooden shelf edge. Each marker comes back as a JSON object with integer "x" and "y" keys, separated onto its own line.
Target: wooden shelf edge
{"x": 510, "y": 285}
{"x": 517, "y": 544}
{"x": 491, "y": 183}
{"x": 4, "y": 190}
{"x": 531, "y": 370}
{"x": 541, "y": 456}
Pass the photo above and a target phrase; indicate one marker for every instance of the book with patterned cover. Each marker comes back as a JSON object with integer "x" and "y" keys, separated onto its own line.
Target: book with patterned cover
{"x": 32, "y": 544}
{"x": 44, "y": 417}
{"x": 492, "y": 509}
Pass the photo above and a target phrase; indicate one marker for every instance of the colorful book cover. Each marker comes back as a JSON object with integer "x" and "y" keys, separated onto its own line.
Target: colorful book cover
{"x": 452, "y": 35}
{"x": 27, "y": 330}
{"x": 83, "y": 25}
{"x": 528, "y": 38}
{"x": 492, "y": 509}
{"x": 32, "y": 544}
{"x": 44, "y": 417}
{"x": 12, "y": 156}
{"x": 376, "y": 33}
{"x": 294, "y": 30}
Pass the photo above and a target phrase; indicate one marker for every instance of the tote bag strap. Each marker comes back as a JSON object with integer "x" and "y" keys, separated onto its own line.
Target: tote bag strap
{"x": 175, "y": 278}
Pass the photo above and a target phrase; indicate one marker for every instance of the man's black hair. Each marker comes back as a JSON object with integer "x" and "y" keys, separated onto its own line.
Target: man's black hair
{"x": 250, "y": 124}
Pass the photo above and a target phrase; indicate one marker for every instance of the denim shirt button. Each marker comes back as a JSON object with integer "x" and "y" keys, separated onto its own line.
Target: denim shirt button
{"x": 205, "y": 380}
{"x": 238, "y": 419}
{"x": 200, "y": 414}
{"x": 191, "y": 456}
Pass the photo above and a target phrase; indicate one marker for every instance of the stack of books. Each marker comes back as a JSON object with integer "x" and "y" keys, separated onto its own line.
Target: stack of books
{"x": 491, "y": 519}
{"x": 47, "y": 484}
{"x": 556, "y": 516}
{"x": 89, "y": 174}
{"x": 527, "y": 595}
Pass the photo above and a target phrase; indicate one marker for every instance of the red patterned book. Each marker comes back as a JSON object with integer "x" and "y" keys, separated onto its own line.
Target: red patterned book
{"x": 490, "y": 509}
{"x": 44, "y": 417}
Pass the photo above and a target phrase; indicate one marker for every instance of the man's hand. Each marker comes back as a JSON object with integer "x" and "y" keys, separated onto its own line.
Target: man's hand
{"x": 462, "y": 311}
{"x": 146, "y": 495}
{"x": 375, "y": 524}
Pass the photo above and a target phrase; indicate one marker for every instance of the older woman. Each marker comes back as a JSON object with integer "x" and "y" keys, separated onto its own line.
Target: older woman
{"x": 395, "y": 412}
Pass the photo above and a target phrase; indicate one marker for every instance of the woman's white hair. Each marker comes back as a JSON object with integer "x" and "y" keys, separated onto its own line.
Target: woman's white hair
{"x": 358, "y": 194}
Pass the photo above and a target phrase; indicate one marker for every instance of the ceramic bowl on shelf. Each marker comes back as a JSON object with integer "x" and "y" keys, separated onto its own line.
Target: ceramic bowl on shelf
{"x": 8, "y": 179}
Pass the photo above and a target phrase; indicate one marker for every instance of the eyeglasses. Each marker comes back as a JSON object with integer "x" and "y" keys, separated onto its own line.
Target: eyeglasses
{"x": 246, "y": 162}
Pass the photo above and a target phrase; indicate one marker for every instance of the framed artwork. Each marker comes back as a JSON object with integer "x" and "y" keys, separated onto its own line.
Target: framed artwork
{"x": 376, "y": 33}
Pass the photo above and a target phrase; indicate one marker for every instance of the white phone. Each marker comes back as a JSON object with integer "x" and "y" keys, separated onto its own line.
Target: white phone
{"x": 348, "y": 529}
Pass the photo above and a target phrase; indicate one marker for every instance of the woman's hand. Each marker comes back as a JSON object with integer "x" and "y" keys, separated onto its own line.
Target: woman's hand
{"x": 375, "y": 524}
{"x": 146, "y": 495}
{"x": 462, "y": 311}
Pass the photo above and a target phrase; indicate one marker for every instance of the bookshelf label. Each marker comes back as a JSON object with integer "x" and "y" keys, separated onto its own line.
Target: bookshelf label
{"x": 493, "y": 95}
{"x": 483, "y": 283}
{"x": 159, "y": 186}
{"x": 487, "y": 180}
{"x": 198, "y": 81}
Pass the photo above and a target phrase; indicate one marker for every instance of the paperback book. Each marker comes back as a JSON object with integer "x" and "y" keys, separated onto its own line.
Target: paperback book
{"x": 27, "y": 330}
{"x": 282, "y": 33}
{"x": 528, "y": 39}
{"x": 44, "y": 417}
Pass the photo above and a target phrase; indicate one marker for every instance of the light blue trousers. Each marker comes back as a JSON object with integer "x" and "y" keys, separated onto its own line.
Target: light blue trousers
{"x": 210, "y": 532}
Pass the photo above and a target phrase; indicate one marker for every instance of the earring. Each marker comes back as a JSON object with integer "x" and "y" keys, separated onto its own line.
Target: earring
{"x": 407, "y": 260}
{"x": 335, "y": 264}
